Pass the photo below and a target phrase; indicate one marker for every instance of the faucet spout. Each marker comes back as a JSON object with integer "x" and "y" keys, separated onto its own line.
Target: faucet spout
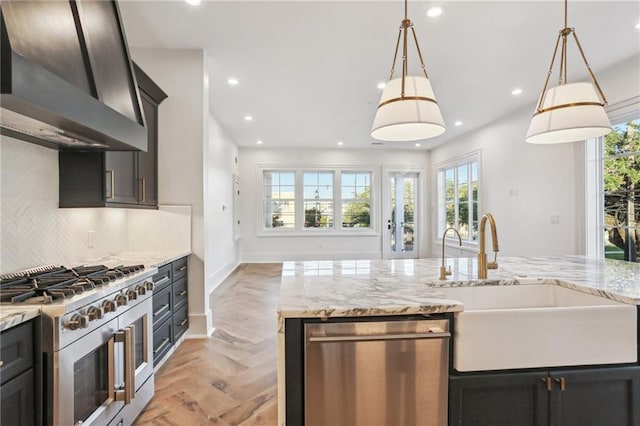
{"x": 482, "y": 255}
{"x": 443, "y": 270}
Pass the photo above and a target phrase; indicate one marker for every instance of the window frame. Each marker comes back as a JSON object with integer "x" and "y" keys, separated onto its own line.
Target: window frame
{"x": 594, "y": 220}
{"x": 299, "y": 230}
{"x": 451, "y": 240}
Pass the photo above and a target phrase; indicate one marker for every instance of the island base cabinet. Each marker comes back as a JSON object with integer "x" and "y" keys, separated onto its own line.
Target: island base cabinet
{"x": 608, "y": 396}
{"x": 587, "y": 397}
{"x": 502, "y": 399}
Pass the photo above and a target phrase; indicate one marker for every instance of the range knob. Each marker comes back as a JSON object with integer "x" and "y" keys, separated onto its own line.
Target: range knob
{"x": 77, "y": 321}
{"x": 109, "y": 306}
{"x": 121, "y": 300}
{"x": 141, "y": 289}
{"x": 132, "y": 294}
{"x": 148, "y": 285}
{"x": 95, "y": 312}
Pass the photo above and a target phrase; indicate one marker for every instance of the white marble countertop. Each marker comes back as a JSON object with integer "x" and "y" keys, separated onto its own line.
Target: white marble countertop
{"x": 12, "y": 315}
{"x": 392, "y": 287}
{"x": 150, "y": 259}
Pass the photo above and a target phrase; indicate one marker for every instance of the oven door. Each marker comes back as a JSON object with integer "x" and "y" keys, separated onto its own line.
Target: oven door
{"x": 84, "y": 384}
{"x": 138, "y": 357}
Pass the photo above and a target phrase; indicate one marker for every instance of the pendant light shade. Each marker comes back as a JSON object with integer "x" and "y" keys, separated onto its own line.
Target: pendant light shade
{"x": 408, "y": 110}
{"x": 412, "y": 117}
{"x": 570, "y": 112}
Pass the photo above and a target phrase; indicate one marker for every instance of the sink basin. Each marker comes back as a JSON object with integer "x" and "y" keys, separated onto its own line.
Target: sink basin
{"x": 531, "y": 326}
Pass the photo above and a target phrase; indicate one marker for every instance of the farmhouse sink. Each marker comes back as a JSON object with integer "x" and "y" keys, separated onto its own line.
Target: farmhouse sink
{"x": 530, "y": 326}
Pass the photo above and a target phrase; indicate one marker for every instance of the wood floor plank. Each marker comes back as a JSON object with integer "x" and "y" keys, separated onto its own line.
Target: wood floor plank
{"x": 229, "y": 379}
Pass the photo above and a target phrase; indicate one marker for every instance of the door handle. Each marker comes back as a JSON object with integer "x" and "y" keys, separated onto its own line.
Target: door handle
{"x": 143, "y": 190}
{"x": 547, "y": 381}
{"x": 389, "y": 224}
{"x": 127, "y": 338}
{"x": 562, "y": 382}
{"x": 111, "y": 179}
{"x": 365, "y": 338}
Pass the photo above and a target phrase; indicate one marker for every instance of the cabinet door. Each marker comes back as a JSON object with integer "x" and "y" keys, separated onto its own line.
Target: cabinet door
{"x": 17, "y": 401}
{"x": 595, "y": 397}
{"x": 147, "y": 161}
{"x": 505, "y": 399}
{"x": 120, "y": 175}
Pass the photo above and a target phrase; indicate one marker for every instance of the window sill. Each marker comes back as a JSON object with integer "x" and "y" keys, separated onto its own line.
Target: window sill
{"x": 318, "y": 233}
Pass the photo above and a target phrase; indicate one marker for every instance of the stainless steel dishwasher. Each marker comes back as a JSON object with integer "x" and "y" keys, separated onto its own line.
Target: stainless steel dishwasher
{"x": 377, "y": 373}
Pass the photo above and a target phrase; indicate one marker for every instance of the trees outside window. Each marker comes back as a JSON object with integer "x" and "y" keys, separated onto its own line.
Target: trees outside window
{"x": 458, "y": 199}
{"x": 622, "y": 192}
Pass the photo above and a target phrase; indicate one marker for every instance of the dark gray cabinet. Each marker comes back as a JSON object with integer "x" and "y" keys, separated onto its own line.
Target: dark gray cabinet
{"x": 116, "y": 178}
{"x": 170, "y": 307}
{"x": 586, "y": 397}
{"x": 18, "y": 388}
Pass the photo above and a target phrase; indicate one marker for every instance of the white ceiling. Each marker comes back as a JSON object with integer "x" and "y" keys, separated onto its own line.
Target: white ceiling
{"x": 308, "y": 70}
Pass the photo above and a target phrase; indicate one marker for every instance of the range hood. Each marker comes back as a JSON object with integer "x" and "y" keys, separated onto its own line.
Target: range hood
{"x": 66, "y": 77}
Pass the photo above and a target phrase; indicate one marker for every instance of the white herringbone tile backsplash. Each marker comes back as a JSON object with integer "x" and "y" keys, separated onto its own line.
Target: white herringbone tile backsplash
{"x": 33, "y": 230}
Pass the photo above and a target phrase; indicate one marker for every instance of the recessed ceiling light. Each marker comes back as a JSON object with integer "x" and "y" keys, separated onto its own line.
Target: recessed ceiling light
{"x": 340, "y": 143}
{"x": 458, "y": 123}
{"x": 434, "y": 12}
{"x": 382, "y": 85}
{"x": 637, "y": 27}
{"x": 248, "y": 118}
{"x": 418, "y": 145}
{"x": 516, "y": 92}
{"x": 259, "y": 142}
{"x": 193, "y": 2}
{"x": 232, "y": 81}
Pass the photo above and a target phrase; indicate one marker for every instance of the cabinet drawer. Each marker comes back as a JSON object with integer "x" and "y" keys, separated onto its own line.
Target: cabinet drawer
{"x": 162, "y": 340}
{"x": 179, "y": 268}
{"x": 16, "y": 350}
{"x": 180, "y": 293}
{"x": 163, "y": 278}
{"x": 17, "y": 400}
{"x": 162, "y": 306}
{"x": 180, "y": 322}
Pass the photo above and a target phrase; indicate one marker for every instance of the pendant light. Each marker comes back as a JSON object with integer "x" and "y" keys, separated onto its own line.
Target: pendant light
{"x": 568, "y": 112}
{"x": 408, "y": 109}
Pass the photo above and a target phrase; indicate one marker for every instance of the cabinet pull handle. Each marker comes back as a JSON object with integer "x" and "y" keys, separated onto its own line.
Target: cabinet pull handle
{"x": 562, "y": 382}
{"x": 183, "y": 322}
{"x": 162, "y": 308}
{"x": 548, "y": 382}
{"x": 112, "y": 183}
{"x": 182, "y": 268}
{"x": 164, "y": 343}
{"x": 182, "y": 293}
{"x": 143, "y": 190}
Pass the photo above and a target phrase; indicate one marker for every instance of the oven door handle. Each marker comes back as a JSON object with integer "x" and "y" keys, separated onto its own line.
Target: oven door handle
{"x": 132, "y": 361}
{"x": 111, "y": 378}
{"x": 127, "y": 338}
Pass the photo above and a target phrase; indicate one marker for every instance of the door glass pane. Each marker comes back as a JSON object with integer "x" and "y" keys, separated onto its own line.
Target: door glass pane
{"x": 139, "y": 346}
{"x": 409, "y": 223}
{"x": 90, "y": 383}
{"x": 622, "y": 192}
{"x": 392, "y": 186}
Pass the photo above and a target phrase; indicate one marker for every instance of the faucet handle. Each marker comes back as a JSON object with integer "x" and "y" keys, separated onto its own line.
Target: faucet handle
{"x": 494, "y": 264}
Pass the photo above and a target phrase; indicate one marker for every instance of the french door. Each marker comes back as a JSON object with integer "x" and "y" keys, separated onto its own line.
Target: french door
{"x": 400, "y": 227}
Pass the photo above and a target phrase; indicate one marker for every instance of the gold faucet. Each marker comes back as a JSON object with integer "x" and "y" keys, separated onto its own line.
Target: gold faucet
{"x": 482, "y": 255}
{"x": 443, "y": 270}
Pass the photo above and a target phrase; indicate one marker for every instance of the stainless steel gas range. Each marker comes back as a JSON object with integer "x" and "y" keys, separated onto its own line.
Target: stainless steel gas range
{"x": 96, "y": 341}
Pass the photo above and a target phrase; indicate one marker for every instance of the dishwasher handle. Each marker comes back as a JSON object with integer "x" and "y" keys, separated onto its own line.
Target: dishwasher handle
{"x": 377, "y": 337}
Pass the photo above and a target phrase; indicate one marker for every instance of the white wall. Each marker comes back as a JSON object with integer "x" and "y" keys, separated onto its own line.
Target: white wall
{"x": 549, "y": 179}
{"x": 195, "y": 167}
{"x": 260, "y": 248}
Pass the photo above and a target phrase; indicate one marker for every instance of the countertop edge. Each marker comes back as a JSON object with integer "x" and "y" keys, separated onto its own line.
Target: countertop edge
{"x": 11, "y": 316}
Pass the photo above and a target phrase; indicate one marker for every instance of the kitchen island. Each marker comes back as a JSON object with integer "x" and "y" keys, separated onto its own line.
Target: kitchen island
{"x": 378, "y": 288}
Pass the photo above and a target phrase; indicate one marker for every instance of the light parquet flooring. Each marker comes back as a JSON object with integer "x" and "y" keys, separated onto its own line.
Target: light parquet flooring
{"x": 229, "y": 379}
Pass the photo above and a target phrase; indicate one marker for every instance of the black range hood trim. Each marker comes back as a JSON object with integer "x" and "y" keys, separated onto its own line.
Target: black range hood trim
{"x": 31, "y": 90}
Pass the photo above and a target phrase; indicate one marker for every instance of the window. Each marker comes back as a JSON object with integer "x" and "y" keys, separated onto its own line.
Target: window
{"x": 621, "y": 191}
{"x": 279, "y": 199}
{"x": 356, "y": 200}
{"x": 318, "y": 199}
{"x": 304, "y": 201}
{"x": 458, "y": 198}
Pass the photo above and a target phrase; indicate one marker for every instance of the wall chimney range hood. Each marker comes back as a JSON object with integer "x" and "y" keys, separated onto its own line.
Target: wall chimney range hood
{"x": 66, "y": 77}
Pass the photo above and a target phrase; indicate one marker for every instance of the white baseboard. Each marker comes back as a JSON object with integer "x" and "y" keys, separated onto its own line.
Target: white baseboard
{"x": 298, "y": 256}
